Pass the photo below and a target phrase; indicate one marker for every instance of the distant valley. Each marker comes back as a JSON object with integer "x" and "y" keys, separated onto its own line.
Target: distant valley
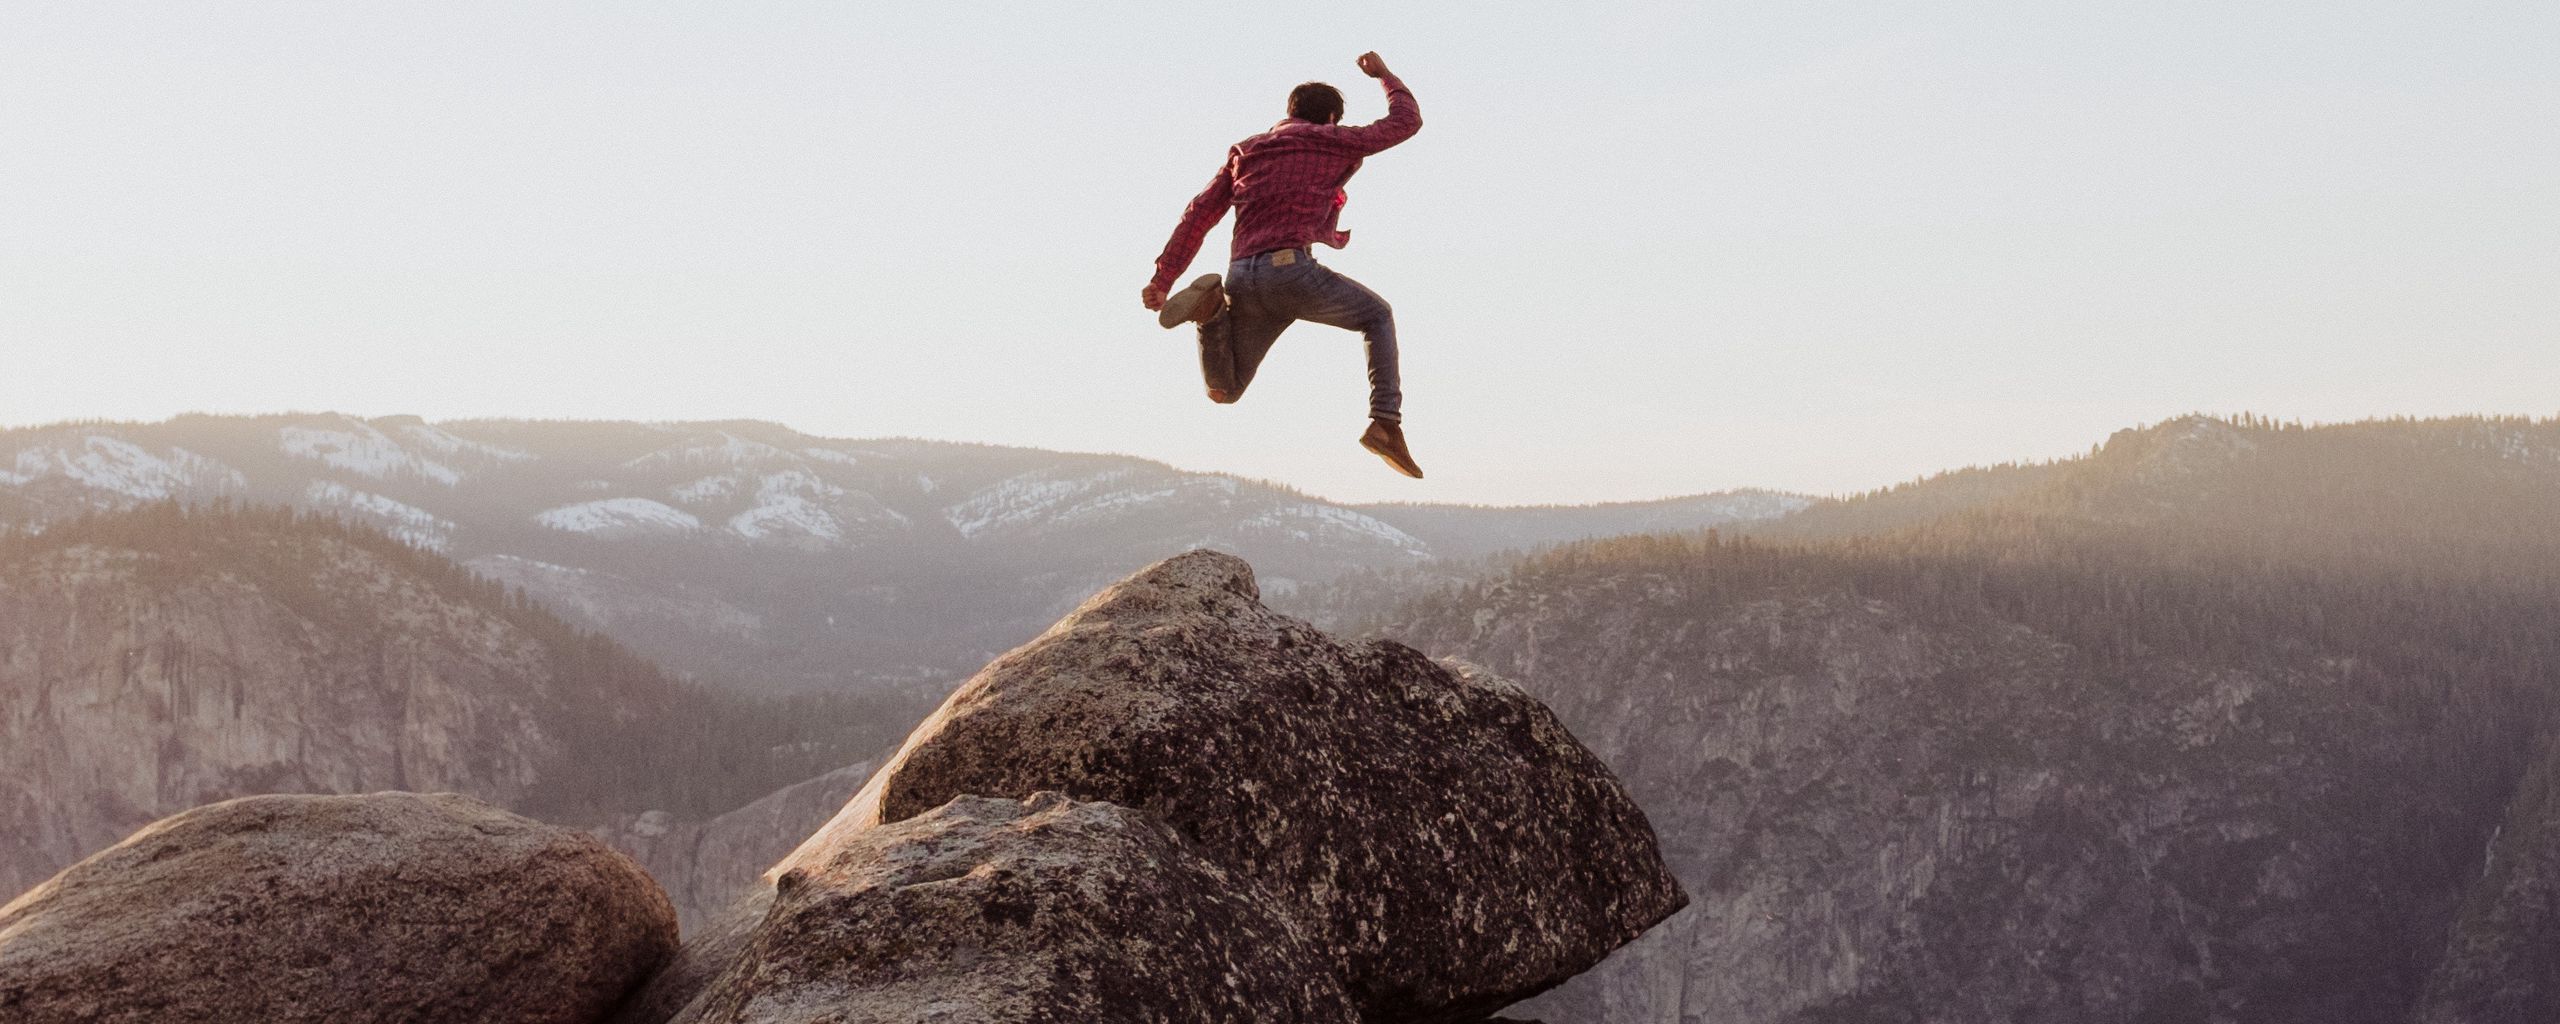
{"x": 748, "y": 555}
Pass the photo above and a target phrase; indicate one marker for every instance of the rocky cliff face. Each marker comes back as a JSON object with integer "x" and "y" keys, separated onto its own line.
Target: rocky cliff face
{"x": 2500, "y": 962}
{"x": 1881, "y": 814}
{"x": 136, "y": 687}
{"x": 157, "y": 660}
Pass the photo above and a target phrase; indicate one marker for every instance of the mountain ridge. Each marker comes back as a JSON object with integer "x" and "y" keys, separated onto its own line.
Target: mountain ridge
{"x": 742, "y": 553}
{"x": 2226, "y": 721}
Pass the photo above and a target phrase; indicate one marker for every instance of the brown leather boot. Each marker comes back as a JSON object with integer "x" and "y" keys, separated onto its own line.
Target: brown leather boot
{"x": 1386, "y": 439}
{"x": 1195, "y": 303}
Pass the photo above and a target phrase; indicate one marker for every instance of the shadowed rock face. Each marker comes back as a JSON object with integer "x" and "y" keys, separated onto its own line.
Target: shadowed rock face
{"x": 706, "y": 866}
{"x": 1022, "y": 912}
{"x": 1450, "y": 847}
{"x": 385, "y": 907}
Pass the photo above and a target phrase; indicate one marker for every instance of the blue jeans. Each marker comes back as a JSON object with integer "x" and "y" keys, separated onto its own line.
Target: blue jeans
{"x": 1265, "y": 298}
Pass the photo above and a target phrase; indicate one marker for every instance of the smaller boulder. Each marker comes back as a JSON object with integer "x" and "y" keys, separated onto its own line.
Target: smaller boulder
{"x": 403, "y": 907}
{"x": 996, "y": 911}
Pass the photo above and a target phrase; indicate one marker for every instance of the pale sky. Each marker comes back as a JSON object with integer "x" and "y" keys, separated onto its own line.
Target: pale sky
{"x": 1638, "y": 249}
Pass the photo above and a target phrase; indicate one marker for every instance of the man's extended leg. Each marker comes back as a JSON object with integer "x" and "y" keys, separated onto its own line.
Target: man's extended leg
{"x": 1338, "y": 301}
{"x": 1233, "y": 343}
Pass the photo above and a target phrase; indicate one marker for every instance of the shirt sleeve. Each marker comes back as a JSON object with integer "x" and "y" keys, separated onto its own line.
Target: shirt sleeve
{"x": 1203, "y": 213}
{"x": 1403, "y": 119}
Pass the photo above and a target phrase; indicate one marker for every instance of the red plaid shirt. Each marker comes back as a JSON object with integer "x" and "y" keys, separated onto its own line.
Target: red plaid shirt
{"x": 1286, "y": 184}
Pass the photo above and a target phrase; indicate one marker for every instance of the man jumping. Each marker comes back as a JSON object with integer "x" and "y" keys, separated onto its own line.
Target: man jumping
{"x": 1286, "y": 186}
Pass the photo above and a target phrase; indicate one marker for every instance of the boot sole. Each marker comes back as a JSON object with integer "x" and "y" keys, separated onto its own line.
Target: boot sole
{"x": 1179, "y": 306}
{"x": 1400, "y": 466}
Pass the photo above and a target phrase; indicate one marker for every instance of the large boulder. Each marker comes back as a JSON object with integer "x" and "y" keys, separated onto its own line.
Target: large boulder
{"x": 386, "y": 907}
{"x": 1450, "y": 846}
{"x": 996, "y": 911}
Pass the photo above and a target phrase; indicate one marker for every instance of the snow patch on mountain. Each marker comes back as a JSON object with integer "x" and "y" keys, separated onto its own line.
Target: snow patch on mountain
{"x": 1024, "y": 498}
{"x": 797, "y": 503}
{"x": 832, "y": 455}
{"x": 406, "y": 523}
{"x": 708, "y": 489}
{"x": 122, "y": 467}
{"x": 446, "y": 442}
{"x": 1217, "y": 491}
{"x": 719, "y": 447}
{"x": 363, "y": 450}
{"x": 516, "y": 565}
{"x": 788, "y": 504}
{"x": 1056, "y": 498}
{"x": 1307, "y": 521}
{"x": 618, "y": 516}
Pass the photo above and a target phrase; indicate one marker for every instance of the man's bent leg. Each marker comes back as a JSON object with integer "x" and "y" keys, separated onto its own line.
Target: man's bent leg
{"x": 1217, "y": 356}
{"x": 1233, "y": 343}
{"x": 1338, "y": 301}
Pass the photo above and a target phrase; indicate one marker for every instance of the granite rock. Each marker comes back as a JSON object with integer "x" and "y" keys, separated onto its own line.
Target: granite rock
{"x": 1450, "y": 847}
{"x": 997, "y": 911}
{"x": 346, "y": 909}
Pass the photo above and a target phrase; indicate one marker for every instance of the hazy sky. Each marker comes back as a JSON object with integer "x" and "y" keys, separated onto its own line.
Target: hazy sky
{"x": 1638, "y": 248}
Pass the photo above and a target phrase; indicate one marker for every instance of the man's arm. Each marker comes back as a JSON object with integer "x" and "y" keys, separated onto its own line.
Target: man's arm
{"x": 1403, "y": 117}
{"x": 1197, "y": 218}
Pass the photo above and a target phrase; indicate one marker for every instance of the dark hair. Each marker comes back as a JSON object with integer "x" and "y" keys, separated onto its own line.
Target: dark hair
{"x": 1317, "y": 102}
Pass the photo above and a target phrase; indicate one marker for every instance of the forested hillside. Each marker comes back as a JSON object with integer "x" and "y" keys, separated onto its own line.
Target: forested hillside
{"x": 2228, "y": 720}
